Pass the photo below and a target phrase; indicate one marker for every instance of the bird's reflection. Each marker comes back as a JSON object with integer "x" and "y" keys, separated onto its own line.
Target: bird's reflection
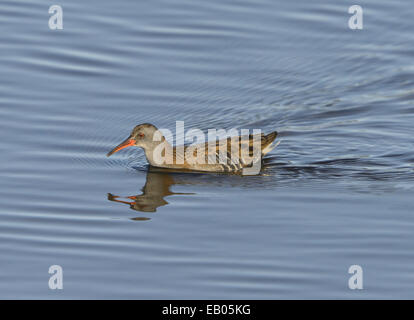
{"x": 156, "y": 188}
{"x": 160, "y": 181}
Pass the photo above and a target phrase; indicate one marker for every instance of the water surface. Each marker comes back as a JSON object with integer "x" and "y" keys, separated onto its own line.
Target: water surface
{"x": 338, "y": 191}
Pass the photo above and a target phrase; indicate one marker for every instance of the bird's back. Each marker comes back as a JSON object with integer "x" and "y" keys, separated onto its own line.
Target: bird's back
{"x": 228, "y": 155}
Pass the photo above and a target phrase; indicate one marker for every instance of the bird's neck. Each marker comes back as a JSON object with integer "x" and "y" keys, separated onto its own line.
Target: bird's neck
{"x": 159, "y": 153}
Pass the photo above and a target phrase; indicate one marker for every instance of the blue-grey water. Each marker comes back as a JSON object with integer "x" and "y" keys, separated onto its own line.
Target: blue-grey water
{"x": 337, "y": 192}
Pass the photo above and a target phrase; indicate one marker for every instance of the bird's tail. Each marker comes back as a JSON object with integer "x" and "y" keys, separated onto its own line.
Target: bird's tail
{"x": 268, "y": 142}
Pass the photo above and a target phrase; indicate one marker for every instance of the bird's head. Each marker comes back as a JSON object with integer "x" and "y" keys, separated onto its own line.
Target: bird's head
{"x": 141, "y": 136}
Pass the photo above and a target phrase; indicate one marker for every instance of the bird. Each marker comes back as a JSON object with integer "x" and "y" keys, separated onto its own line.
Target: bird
{"x": 231, "y": 155}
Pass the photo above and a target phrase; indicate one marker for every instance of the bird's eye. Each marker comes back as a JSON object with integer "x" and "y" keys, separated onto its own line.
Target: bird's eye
{"x": 141, "y": 135}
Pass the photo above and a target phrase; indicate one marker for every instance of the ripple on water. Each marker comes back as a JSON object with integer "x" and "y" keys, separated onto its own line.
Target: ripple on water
{"x": 336, "y": 191}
